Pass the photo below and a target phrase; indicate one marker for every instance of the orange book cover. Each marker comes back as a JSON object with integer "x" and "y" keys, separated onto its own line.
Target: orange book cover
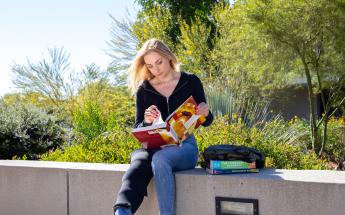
{"x": 180, "y": 124}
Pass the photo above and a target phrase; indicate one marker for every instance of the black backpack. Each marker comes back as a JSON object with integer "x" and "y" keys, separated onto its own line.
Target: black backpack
{"x": 233, "y": 152}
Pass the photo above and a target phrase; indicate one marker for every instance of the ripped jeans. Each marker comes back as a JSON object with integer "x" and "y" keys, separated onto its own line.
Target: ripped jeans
{"x": 161, "y": 164}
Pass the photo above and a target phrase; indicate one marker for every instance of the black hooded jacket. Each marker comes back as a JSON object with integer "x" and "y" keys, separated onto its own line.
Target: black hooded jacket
{"x": 188, "y": 85}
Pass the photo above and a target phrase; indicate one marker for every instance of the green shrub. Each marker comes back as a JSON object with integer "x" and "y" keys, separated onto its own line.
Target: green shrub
{"x": 27, "y": 132}
{"x": 247, "y": 121}
{"x": 112, "y": 147}
{"x": 280, "y": 142}
{"x": 334, "y": 149}
{"x": 102, "y": 134}
{"x": 89, "y": 121}
{"x": 97, "y": 112}
{"x": 335, "y": 145}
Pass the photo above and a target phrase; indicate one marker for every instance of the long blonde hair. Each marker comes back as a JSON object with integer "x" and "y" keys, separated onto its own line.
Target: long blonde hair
{"x": 138, "y": 72}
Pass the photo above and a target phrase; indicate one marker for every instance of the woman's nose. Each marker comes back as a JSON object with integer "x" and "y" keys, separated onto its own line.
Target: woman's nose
{"x": 156, "y": 68}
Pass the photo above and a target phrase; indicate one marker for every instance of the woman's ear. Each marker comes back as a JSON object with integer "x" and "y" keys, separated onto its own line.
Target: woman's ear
{"x": 171, "y": 64}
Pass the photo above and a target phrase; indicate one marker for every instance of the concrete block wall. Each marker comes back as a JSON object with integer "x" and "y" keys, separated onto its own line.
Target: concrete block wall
{"x": 61, "y": 188}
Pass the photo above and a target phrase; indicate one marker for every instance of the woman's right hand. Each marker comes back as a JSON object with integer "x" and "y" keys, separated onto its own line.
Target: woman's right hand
{"x": 151, "y": 114}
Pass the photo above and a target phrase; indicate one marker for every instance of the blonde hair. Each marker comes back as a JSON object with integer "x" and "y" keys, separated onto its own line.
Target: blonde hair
{"x": 138, "y": 72}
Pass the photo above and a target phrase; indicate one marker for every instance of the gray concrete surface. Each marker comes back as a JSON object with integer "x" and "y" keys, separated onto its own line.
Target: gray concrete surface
{"x": 66, "y": 188}
{"x": 37, "y": 187}
{"x": 26, "y": 190}
{"x": 280, "y": 192}
{"x": 94, "y": 192}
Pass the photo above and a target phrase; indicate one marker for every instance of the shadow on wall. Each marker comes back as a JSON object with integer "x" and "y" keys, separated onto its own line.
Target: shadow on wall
{"x": 293, "y": 101}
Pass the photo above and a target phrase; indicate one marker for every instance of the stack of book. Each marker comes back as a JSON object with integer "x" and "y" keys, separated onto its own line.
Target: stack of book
{"x": 218, "y": 167}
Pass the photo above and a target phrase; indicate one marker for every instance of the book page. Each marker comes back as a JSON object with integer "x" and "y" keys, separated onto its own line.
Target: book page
{"x": 191, "y": 121}
{"x": 184, "y": 119}
{"x": 188, "y": 108}
{"x": 159, "y": 120}
{"x": 151, "y": 127}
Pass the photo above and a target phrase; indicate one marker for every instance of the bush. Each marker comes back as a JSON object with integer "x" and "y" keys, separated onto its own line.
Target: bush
{"x": 97, "y": 113}
{"x": 27, "y": 132}
{"x": 334, "y": 148}
{"x": 88, "y": 120}
{"x": 282, "y": 143}
{"x": 112, "y": 147}
{"x": 335, "y": 145}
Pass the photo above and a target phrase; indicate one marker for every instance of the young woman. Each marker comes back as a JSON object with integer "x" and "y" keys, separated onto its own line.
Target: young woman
{"x": 160, "y": 88}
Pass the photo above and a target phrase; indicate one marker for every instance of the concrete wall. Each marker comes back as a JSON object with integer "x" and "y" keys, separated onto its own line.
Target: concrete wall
{"x": 37, "y": 187}
{"x": 63, "y": 188}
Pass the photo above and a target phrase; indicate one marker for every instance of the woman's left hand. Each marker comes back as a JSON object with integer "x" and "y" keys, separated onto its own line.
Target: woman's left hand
{"x": 202, "y": 109}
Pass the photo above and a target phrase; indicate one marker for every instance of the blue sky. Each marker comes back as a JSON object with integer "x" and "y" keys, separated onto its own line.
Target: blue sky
{"x": 28, "y": 28}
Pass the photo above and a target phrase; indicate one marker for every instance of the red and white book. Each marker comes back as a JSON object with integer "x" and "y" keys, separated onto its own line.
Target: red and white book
{"x": 178, "y": 125}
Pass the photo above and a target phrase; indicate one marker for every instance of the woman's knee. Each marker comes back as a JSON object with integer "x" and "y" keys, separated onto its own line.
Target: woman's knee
{"x": 140, "y": 167}
{"x": 159, "y": 162}
{"x": 140, "y": 154}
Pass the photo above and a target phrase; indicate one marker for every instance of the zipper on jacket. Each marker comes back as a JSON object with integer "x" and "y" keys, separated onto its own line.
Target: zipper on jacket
{"x": 167, "y": 98}
{"x": 175, "y": 91}
{"x": 168, "y": 105}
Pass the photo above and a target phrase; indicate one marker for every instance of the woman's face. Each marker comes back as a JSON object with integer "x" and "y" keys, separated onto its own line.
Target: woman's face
{"x": 157, "y": 64}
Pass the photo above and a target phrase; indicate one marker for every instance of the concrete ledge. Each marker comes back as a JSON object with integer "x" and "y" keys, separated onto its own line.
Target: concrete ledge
{"x": 32, "y": 191}
{"x": 280, "y": 192}
{"x": 39, "y": 187}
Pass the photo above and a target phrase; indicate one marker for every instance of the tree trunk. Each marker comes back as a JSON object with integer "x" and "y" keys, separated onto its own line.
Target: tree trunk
{"x": 326, "y": 105}
{"x": 313, "y": 127}
{"x": 324, "y": 137}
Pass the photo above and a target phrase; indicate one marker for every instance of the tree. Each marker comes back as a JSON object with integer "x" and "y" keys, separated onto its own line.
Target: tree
{"x": 184, "y": 10}
{"x": 314, "y": 31}
{"x": 192, "y": 44}
{"x": 122, "y": 47}
{"x": 247, "y": 60}
{"x": 52, "y": 79}
{"x": 193, "y": 49}
{"x": 128, "y": 36}
{"x": 154, "y": 23}
{"x": 45, "y": 77}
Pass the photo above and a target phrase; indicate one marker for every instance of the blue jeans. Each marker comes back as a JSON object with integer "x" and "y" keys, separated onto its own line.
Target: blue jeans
{"x": 167, "y": 161}
{"x": 164, "y": 162}
{"x": 123, "y": 211}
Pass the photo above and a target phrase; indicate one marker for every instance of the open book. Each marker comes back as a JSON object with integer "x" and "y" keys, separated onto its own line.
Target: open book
{"x": 178, "y": 125}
